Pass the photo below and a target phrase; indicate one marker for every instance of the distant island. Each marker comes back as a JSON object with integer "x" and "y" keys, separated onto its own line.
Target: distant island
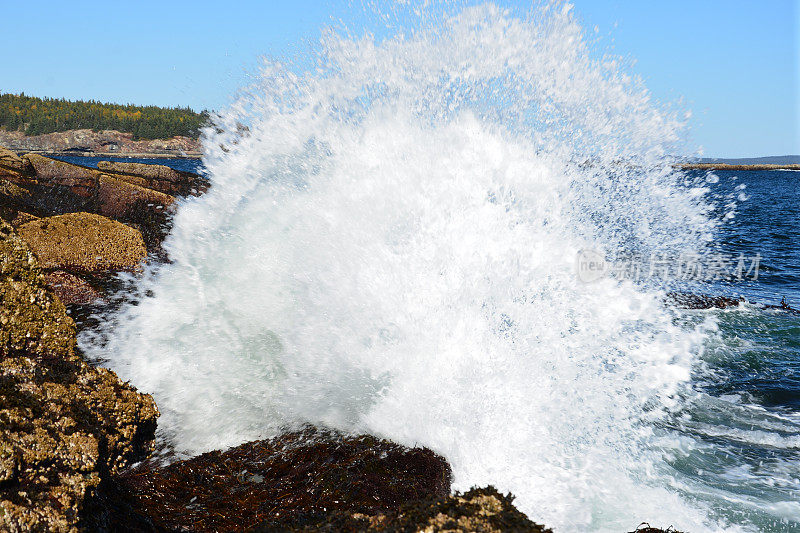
{"x": 769, "y": 160}
{"x": 774, "y": 162}
{"x": 54, "y": 126}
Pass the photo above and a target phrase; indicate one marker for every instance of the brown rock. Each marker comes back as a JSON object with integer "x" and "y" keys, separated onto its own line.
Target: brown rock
{"x": 123, "y": 200}
{"x": 84, "y": 242}
{"x": 81, "y": 181}
{"x": 71, "y": 289}
{"x": 15, "y": 203}
{"x": 644, "y": 527}
{"x": 11, "y": 161}
{"x": 11, "y": 193}
{"x": 14, "y": 196}
{"x": 10, "y": 175}
{"x": 20, "y": 218}
{"x": 157, "y": 177}
{"x": 157, "y": 172}
{"x": 55, "y": 187}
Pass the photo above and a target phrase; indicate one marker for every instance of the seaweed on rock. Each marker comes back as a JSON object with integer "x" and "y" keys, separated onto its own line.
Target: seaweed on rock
{"x": 296, "y": 480}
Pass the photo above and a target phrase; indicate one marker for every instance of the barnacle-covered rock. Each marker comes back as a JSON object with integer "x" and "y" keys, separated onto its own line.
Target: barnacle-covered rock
{"x": 84, "y": 242}
{"x": 33, "y": 322}
{"x": 480, "y": 510}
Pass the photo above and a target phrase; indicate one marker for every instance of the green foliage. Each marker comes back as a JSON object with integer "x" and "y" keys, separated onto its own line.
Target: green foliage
{"x": 35, "y": 116}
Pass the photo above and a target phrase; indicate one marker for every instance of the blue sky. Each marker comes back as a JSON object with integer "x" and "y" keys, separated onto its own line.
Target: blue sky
{"x": 735, "y": 63}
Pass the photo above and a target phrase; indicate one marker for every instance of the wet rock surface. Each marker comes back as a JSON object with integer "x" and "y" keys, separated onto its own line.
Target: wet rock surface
{"x": 64, "y": 425}
{"x": 647, "y": 528}
{"x": 685, "y": 300}
{"x": 71, "y": 289}
{"x": 292, "y": 481}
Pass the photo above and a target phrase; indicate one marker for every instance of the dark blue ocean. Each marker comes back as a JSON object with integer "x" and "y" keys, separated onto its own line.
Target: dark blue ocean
{"x": 749, "y": 415}
{"x": 766, "y": 222}
{"x": 765, "y": 366}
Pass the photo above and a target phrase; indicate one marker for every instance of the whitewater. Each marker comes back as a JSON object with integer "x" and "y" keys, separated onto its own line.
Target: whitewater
{"x": 389, "y": 246}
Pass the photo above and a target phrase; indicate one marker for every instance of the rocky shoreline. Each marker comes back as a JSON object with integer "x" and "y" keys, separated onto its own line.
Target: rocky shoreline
{"x": 99, "y": 143}
{"x": 75, "y": 439}
{"x": 64, "y": 425}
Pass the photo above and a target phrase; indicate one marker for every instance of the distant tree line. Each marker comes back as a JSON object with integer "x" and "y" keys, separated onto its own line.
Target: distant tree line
{"x": 35, "y": 116}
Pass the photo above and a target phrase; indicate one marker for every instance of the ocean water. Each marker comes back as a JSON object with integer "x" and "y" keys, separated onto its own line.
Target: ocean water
{"x": 389, "y": 246}
{"x": 765, "y": 223}
{"x": 184, "y": 163}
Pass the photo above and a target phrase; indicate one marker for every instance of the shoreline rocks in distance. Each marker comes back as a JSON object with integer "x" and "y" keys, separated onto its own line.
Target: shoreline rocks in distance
{"x": 106, "y": 142}
{"x": 685, "y": 300}
{"x": 728, "y": 166}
